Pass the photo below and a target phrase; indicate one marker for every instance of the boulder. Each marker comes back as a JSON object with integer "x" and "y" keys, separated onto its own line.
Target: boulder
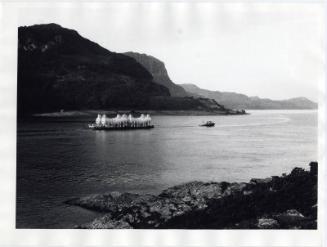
{"x": 106, "y": 222}
{"x": 260, "y": 180}
{"x": 267, "y": 223}
{"x": 293, "y": 219}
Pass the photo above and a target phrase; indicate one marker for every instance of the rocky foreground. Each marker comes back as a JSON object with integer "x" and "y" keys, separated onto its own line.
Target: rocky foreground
{"x": 286, "y": 202}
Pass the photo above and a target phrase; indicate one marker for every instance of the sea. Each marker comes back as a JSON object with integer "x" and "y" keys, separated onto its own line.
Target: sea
{"x": 60, "y": 158}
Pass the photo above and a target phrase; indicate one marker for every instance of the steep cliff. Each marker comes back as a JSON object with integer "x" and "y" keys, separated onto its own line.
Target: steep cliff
{"x": 159, "y": 72}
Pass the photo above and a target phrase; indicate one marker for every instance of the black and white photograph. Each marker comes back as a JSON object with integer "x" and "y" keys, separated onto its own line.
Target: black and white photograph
{"x": 169, "y": 116}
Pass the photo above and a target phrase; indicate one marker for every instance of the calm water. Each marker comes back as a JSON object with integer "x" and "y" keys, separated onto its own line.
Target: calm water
{"x": 59, "y": 159}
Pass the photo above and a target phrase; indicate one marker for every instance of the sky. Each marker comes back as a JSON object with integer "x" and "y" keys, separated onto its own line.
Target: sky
{"x": 258, "y": 49}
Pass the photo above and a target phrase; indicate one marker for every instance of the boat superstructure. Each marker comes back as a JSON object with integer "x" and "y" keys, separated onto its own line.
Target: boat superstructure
{"x": 122, "y": 122}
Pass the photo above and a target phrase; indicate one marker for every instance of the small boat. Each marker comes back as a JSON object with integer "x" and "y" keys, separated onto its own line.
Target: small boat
{"x": 208, "y": 124}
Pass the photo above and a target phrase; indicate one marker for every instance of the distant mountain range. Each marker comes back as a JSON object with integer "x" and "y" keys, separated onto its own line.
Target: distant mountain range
{"x": 241, "y": 101}
{"x": 59, "y": 69}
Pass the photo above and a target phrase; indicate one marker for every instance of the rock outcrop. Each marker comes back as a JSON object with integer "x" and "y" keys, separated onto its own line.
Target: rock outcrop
{"x": 286, "y": 202}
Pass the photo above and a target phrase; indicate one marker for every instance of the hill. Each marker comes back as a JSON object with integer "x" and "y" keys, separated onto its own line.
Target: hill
{"x": 60, "y": 69}
{"x": 241, "y": 101}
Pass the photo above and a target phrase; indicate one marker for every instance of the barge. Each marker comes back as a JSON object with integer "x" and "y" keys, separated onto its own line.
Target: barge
{"x": 122, "y": 122}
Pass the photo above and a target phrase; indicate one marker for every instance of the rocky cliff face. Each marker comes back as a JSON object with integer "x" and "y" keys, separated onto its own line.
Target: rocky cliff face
{"x": 286, "y": 202}
{"x": 159, "y": 72}
{"x": 241, "y": 101}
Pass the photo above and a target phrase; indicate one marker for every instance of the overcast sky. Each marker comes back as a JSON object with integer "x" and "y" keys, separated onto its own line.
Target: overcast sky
{"x": 266, "y": 50}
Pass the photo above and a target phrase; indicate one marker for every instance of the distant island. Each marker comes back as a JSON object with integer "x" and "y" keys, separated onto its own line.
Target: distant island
{"x": 241, "y": 101}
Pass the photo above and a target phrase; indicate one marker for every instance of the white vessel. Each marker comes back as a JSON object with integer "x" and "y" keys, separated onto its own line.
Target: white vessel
{"x": 122, "y": 122}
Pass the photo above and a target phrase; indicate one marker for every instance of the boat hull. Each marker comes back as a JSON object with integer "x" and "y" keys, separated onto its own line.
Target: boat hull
{"x": 120, "y": 128}
{"x": 207, "y": 125}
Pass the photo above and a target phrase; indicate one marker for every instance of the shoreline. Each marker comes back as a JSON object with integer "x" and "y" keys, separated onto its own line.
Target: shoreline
{"x": 92, "y": 113}
{"x": 278, "y": 202}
